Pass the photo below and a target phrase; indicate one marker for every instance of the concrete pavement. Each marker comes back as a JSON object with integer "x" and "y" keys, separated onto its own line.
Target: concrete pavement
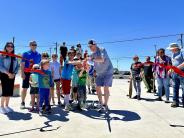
{"x": 127, "y": 118}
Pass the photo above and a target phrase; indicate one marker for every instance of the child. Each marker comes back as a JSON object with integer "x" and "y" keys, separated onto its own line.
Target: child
{"x": 82, "y": 87}
{"x": 45, "y": 82}
{"x": 75, "y": 79}
{"x": 56, "y": 72}
{"x": 66, "y": 78}
{"x": 34, "y": 88}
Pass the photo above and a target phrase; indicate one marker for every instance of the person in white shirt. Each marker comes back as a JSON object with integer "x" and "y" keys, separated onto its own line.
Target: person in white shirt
{"x": 55, "y": 67}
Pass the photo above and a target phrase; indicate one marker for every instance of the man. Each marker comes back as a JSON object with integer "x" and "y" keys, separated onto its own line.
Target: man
{"x": 63, "y": 53}
{"x": 136, "y": 69}
{"x": 178, "y": 61}
{"x": 148, "y": 74}
{"x": 35, "y": 58}
{"x": 161, "y": 74}
{"x": 104, "y": 72}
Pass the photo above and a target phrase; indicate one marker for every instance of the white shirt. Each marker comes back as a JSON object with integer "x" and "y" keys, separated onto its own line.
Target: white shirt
{"x": 55, "y": 68}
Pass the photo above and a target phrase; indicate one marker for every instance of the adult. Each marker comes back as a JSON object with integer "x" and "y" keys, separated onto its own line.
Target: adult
{"x": 148, "y": 75}
{"x": 161, "y": 74}
{"x": 63, "y": 53}
{"x": 9, "y": 68}
{"x": 35, "y": 58}
{"x": 178, "y": 61}
{"x": 136, "y": 69}
{"x": 104, "y": 73}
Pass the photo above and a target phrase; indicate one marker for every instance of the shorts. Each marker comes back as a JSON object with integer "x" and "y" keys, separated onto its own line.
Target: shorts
{"x": 66, "y": 86}
{"x": 25, "y": 82}
{"x": 57, "y": 80}
{"x": 104, "y": 80}
{"x": 74, "y": 89}
{"x": 34, "y": 90}
{"x": 82, "y": 93}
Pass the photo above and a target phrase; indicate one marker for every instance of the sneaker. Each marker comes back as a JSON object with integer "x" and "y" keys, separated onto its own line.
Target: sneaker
{"x": 174, "y": 105}
{"x": 135, "y": 97}
{"x": 167, "y": 101}
{"x": 8, "y": 109}
{"x": 102, "y": 109}
{"x": 22, "y": 106}
{"x": 68, "y": 108}
{"x": 59, "y": 103}
{"x": 138, "y": 97}
{"x": 75, "y": 102}
{"x": 159, "y": 99}
{"x": 2, "y": 110}
{"x": 31, "y": 109}
{"x": 41, "y": 113}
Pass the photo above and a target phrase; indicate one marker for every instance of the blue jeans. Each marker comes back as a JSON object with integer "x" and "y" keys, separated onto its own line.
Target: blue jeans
{"x": 177, "y": 81}
{"x": 163, "y": 82}
{"x": 44, "y": 97}
{"x": 137, "y": 86}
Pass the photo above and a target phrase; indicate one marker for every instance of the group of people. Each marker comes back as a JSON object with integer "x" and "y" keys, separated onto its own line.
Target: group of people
{"x": 160, "y": 70}
{"x": 69, "y": 75}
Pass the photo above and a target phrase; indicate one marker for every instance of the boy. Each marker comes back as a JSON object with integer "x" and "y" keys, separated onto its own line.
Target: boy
{"x": 45, "y": 82}
{"x": 82, "y": 88}
{"x": 66, "y": 78}
{"x": 34, "y": 88}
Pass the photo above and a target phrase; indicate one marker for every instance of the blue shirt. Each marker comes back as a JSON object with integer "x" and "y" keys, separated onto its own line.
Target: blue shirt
{"x": 177, "y": 59}
{"x": 45, "y": 81}
{"x": 30, "y": 55}
{"x": 67, "y": 71}
{"x": 75, "y": 77}
{"x": 105, "y": 67}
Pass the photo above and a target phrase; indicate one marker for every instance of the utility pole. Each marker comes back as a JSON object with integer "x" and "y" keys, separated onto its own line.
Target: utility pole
{"x": 181, "y": 40}
{"x": 13, "y": 40}
{"x": 50, "y": 52}
{"x": 117, "y": 63}
{"x": 56, "y": 48}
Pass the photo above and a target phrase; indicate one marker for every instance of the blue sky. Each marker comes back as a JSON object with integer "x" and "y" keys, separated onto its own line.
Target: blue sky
{"x": 73, "y": 21}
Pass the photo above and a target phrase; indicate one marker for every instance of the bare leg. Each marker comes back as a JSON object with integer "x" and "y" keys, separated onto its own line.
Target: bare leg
{"x": 99, "y": 92}
{"x": 7, "y": 99}
{"x": 23, "y": 94}
{"x": 2, "y": 101}
{"x": 58, "y": 90}
{"x": 32, "y": 100}
{"x": 106, "y": 95}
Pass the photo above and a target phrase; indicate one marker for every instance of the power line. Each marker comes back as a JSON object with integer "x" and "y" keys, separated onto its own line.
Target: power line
{"x": 137, "y": 39}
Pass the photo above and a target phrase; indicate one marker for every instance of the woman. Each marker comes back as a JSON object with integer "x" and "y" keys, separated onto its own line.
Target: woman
{"x": 136, "y": 69}
{"x": 8, "y": 67}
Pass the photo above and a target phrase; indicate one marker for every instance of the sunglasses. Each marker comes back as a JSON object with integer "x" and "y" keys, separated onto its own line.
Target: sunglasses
{"x": 34, "y": 45}
{"x": 10, "y": 46}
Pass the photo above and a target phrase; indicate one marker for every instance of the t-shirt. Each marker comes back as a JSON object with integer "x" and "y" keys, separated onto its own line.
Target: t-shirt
{"x": 45, "y": 81}
{"x": 55, "y": 67}
{"x": 75, "y": 77}
{"x": 63, "y": 51}
{"x": 82, "y": 79}
{"x": 30, "y": 55}
{"x": 34, "y": 78}
{"x": 67, "y": 71}
{"x": 161, "y": 72}
{"x": 136, "y": 68}
{"x": 177, "y": 59}
{"x": 104, "y": 68}
{"x": 148, "y": 69}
